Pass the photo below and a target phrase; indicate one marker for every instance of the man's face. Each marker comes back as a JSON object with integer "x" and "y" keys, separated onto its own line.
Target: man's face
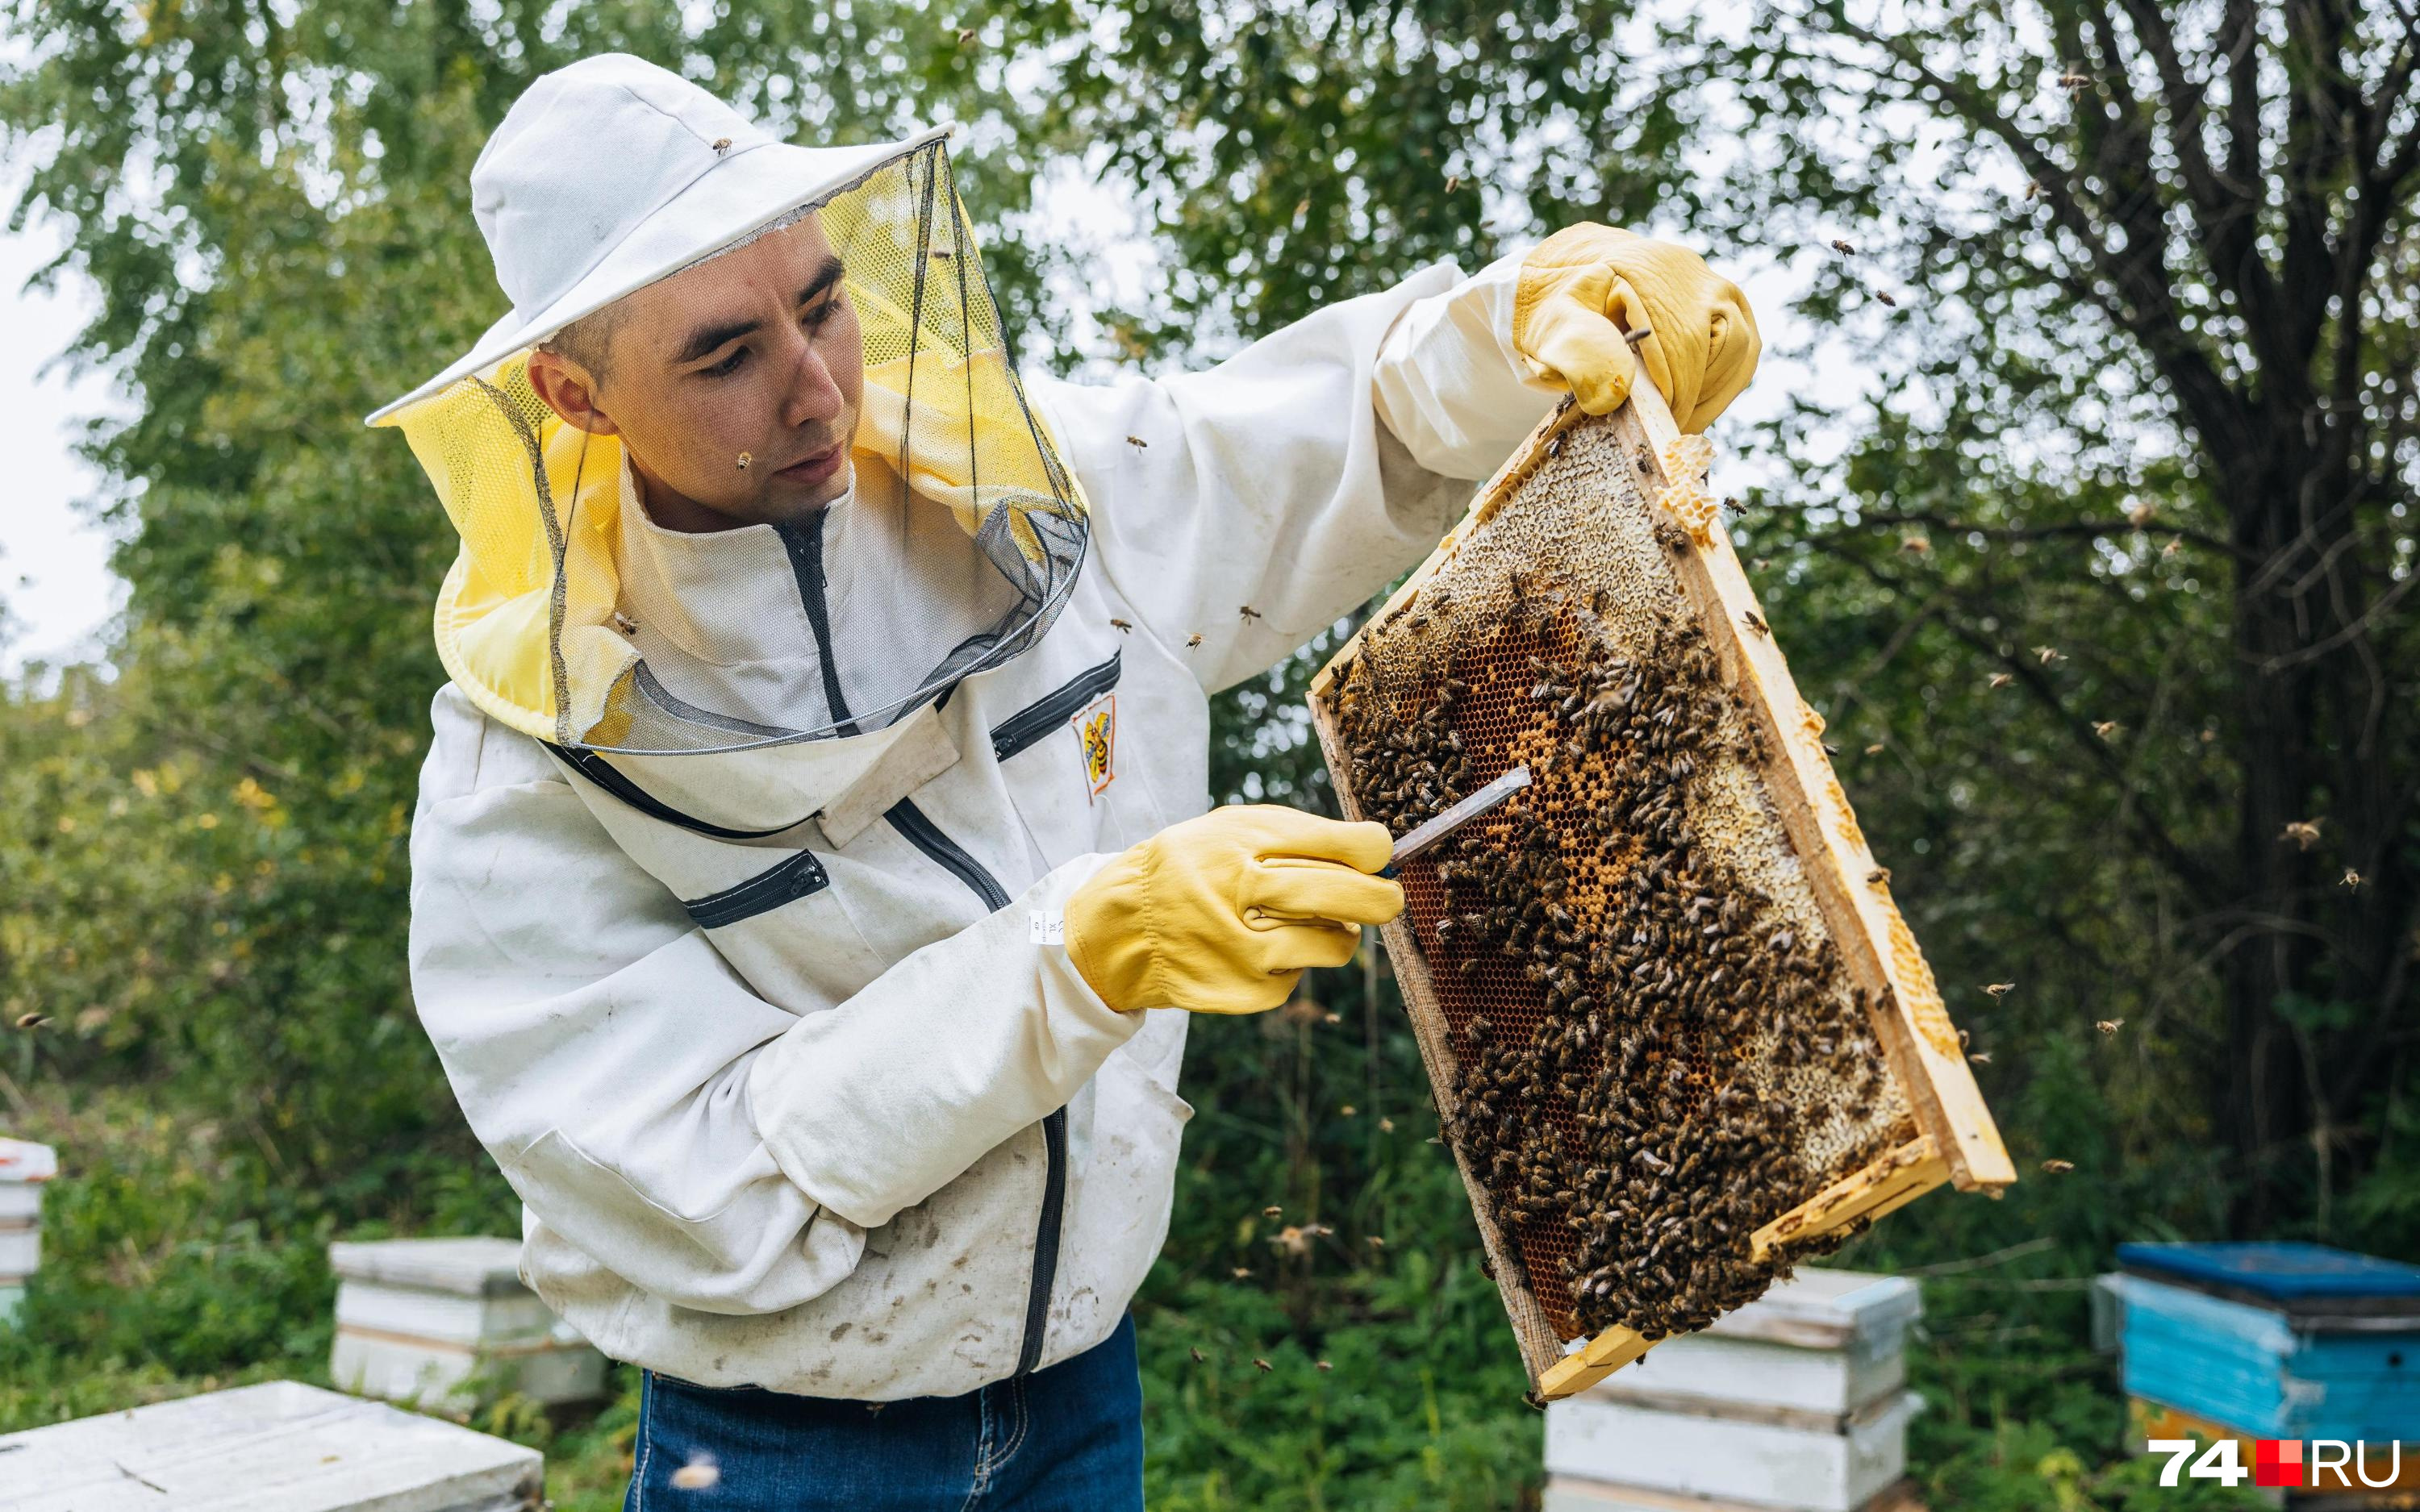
{"x": 756, "y": 353}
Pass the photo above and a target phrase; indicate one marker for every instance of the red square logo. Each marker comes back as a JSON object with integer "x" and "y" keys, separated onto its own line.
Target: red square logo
{"x": 2277, "y": 1463}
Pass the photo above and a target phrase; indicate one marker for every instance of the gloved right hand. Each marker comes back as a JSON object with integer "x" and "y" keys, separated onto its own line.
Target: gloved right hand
{"x": 1583, "y": 286}
{"x": 1222, "y": 913}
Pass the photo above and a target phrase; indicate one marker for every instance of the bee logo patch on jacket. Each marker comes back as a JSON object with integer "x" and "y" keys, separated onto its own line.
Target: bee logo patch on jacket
{"x": 1096, "y": 727}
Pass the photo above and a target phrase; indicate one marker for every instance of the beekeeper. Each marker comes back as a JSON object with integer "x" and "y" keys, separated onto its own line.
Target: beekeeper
{"x": 814, "y": 865}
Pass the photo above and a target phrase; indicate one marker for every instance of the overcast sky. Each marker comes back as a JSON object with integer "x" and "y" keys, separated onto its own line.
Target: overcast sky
{"x": 55, "y": 588}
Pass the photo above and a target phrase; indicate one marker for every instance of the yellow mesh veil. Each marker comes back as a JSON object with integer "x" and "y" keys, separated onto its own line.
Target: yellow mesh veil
{"x": 534, "y": 619}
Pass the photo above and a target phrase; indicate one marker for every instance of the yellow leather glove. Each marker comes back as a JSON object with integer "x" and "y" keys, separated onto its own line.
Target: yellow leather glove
{"x": 1222, "y": 913}
{"x": 1586, "y": 285}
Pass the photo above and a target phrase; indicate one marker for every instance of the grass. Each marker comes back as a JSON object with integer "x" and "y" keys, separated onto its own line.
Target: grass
{"x": 179, "y": 1258}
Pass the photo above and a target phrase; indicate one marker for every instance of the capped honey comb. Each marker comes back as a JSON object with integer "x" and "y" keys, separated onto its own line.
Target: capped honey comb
{"x": 1679, "y": 1035}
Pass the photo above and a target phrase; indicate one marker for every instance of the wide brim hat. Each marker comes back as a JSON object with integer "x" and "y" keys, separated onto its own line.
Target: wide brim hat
{"x": 689, "y": 177}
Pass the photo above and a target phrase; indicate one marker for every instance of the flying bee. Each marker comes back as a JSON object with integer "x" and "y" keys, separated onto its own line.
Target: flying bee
{"x": 2108, "y": 1025}
{"x": 1247, "y": 611}
{"x": 1193, "y": 639}
{"x": 1136, "y": 443}
{"x": 1121, "y": 626}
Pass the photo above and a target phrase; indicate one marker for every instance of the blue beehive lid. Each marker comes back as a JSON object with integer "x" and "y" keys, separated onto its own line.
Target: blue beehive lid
{"x": 2291, "y": 1276}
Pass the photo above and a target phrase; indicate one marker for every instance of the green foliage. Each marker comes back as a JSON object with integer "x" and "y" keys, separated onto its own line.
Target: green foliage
{"x": 2106, "y": 417}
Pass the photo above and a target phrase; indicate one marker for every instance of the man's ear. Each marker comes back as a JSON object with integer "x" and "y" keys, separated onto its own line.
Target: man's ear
{"x": 570, "y": 391}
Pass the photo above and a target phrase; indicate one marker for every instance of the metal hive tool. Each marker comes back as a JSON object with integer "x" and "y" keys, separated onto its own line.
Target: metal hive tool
{"x": 1680, "y": 1035}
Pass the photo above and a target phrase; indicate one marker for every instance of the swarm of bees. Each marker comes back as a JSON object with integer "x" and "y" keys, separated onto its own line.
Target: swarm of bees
{"x": 1625, "y": 1003}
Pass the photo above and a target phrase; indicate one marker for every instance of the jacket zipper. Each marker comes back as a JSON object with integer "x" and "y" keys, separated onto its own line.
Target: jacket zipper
{"x": 793, "y": 879}
{"x": 919, "y": 830}
{"x": 806, "y": 549}
{"x": 1044, "y": 717}
{"x": 805, "y": 545}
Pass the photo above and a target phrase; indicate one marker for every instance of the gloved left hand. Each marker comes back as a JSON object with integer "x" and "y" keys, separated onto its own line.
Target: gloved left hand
{"x": 1583, "y": 286}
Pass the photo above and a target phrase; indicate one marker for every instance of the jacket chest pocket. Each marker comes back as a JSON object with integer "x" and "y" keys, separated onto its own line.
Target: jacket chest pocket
{"x": 1066, "y": 777}
{"x": 784, "y": 928}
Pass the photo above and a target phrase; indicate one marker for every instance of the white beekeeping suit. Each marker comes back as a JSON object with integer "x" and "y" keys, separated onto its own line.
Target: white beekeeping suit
{"x": 740, "y": 851}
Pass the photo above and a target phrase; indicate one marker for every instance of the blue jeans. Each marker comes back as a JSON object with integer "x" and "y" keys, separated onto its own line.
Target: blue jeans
{"x": 1068, "y": 1439}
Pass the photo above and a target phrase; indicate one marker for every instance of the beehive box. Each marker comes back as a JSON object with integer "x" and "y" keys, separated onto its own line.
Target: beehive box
{"x": 1633, "y": 1450}
{"x": 280, "y": 1446}
{"x": 1822, "y": 1345}
{"x": 1796, "y": 1400}
{"x": 1678, "y": 1034}
{"x": 2276, "y": 1340}
{"x": 418, "y": 1319}
{"x": 24, "y": 1167}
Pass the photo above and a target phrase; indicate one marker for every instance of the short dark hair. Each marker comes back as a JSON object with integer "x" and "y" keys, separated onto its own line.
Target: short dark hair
{"x": 587, "y": 340}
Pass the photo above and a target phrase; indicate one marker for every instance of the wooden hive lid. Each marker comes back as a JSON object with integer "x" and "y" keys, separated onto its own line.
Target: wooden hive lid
{"x": 471, "y": 1267}
{"x": 1825, "y": 1309}
{"x": 2303, "y": 1281}
{"x": 280, "y": 1446}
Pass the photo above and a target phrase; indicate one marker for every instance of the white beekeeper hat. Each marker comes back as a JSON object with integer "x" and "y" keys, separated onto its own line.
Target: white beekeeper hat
{"x": 613, "y": 173}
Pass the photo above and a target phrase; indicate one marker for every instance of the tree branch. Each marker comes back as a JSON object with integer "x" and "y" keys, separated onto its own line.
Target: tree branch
{"x": 2187, "y": 867}
{"x": 2148, "y": 309}
{"x": 2092, "y": 527}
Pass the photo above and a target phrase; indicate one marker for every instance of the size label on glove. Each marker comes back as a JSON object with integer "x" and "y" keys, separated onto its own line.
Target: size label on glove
{"x": 1047, "y": 926}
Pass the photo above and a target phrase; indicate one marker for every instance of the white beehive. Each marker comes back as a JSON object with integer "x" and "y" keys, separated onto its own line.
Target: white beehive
{"x": 278, "y": 1447}
{"x": 417, "y": 1317}
{"x": 1794, "y": 1401}
{"x": 24, "y": 1167}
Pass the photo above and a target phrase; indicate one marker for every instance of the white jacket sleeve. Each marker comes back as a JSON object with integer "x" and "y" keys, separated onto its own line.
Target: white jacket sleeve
{"x": 1449, "y": 384}
{"x": 1259, "y": 501}
{"x": 618, "y": 1070}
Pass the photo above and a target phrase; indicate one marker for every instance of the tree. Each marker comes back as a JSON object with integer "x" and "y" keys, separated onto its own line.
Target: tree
{"x": 2147, "y": 394}
{"x": 2191, "y": 223}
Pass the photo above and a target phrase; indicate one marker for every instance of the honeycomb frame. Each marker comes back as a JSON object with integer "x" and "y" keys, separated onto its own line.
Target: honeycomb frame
{"x": 1646, "y": 474}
